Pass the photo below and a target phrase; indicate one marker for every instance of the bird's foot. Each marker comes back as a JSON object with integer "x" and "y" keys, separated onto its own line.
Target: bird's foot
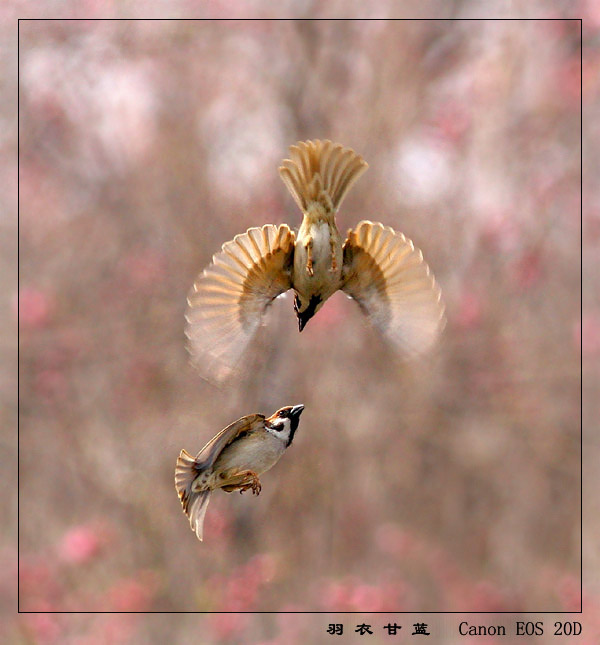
{"x": 309, "y": 257}
{"x": 254, "y": 484}
{"x": 333, "y": 267}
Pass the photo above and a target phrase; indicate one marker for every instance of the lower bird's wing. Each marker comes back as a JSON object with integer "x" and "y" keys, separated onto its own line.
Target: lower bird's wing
{"x": 389, "y": 279}
{"x": 207, "y": 456}
{"x": 229, "y": 298}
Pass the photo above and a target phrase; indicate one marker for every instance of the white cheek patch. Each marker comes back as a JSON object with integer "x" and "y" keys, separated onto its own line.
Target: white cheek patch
{"x": 282, "y": 428}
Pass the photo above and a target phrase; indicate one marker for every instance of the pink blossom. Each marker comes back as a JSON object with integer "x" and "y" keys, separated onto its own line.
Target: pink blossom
{"x": 33, "y": 308}
{"x": 144, "y": 267}
{"x": 591, "y": 226}
{"x": 51, "y": 383}
{"x": 444, "y": 568}
{"x": 38, "y": 583}
{"x": 586, "y": 334}
{"x": 290, "y": 624}
{"x": 226, "y": 626}
{"x": 382, "y": 597}
{"x": 527, "y": 271}
{"x": 43, "y": 604}
{"x": 218, "y": 526}
{"x": 390, "y": 538}
{"x": 117, "y": 629}
{"x": 142, "y": 374}
{"x": 133, "y": 595}
{"x": 242, "y": 588}
{"x": 591, "y": 14}
{"x": 452, "y": 120}
{"x": 34, "y": 574}
{"x": 368, "y": 598}
{"x": 487, "y": 597}
{"x": 79, "y": 545}
{"x": 501, "y": 232}
{"x": 46, "y": 628}
{"x": 350, "y": 594}
{"x": 568, "y": 80}
{"x": 262, "y": 567}
{"x": 337, "y": 595}
{"x": 241, "y": 592}
{"x": 117, "y": 95}
{"x": 569, "y": 591}
{"x": 469, "y": 311}
{"x": 43, "y": 202}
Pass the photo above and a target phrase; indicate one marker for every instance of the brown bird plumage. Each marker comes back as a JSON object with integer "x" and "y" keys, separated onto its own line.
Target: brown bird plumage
{"x": 376, "y": 266}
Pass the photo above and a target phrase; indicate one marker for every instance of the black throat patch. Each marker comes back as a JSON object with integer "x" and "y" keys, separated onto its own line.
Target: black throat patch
{"x": 294, "y": 426}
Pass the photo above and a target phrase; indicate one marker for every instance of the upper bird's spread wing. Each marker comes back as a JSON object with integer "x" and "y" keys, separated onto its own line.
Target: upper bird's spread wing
{"x": 388, "y": 278}
{"x": 207, "y": 456}
{"x": 228, "y": 300}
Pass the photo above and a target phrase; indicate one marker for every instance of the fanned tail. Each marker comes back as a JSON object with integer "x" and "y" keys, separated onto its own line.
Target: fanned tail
{"x": 321, "y": 172}
{"x": 194, "y": 503}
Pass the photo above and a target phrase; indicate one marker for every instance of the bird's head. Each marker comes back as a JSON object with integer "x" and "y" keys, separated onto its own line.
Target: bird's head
{"x": 284, "y": 422}
{"x": 306, "y": 309}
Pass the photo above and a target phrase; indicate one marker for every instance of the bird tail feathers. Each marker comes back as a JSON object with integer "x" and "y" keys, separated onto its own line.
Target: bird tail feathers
{"x": 321, "y": 172}
{"x": 194, "y": 503}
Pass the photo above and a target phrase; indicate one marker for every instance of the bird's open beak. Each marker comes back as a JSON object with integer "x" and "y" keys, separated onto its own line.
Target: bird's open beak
{"x": 296, "y": 411}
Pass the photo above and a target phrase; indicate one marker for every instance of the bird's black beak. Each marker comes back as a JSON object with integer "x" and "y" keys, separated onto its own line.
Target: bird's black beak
{"x": 308, "y": 313}
{"x": 301, "y": 322}
{"x": 302, "y": 318}
{"x": 296, "y": 411}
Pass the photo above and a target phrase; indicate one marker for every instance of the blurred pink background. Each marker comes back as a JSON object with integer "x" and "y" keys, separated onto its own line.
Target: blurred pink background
{"x": 450, "y": 484}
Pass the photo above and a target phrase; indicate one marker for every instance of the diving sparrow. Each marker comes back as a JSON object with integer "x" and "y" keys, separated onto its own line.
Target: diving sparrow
{"x": 377, "y": 267}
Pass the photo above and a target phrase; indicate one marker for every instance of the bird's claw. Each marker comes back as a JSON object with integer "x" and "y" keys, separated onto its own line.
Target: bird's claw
{"x": 309, "y": 257}
{"x": 333, "y": 267}
{"x": 254, "y": 485}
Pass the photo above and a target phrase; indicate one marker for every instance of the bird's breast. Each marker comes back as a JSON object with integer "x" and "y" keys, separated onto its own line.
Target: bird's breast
{"x": 320, "y": 242}
{"x": 257, "y": 452}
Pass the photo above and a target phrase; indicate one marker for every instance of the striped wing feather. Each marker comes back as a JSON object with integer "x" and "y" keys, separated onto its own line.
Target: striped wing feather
{"x": 389, "y": 279}
{"x": 228, "y": 300}
{"x": 208, "y": 455}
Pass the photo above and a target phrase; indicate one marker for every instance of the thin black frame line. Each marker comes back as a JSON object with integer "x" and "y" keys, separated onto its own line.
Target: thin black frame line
{"x": 18, "y": 317}
{"x": 580, "y": 611}
{"x": 581, "y": 313}
{"x": 364, "y": 613}
{"x": 297, "y": 19}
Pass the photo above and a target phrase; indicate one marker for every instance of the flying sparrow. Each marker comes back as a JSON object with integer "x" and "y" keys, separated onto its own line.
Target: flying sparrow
{"x": 233, "y": 460}
{"x": 379, "y": 268}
